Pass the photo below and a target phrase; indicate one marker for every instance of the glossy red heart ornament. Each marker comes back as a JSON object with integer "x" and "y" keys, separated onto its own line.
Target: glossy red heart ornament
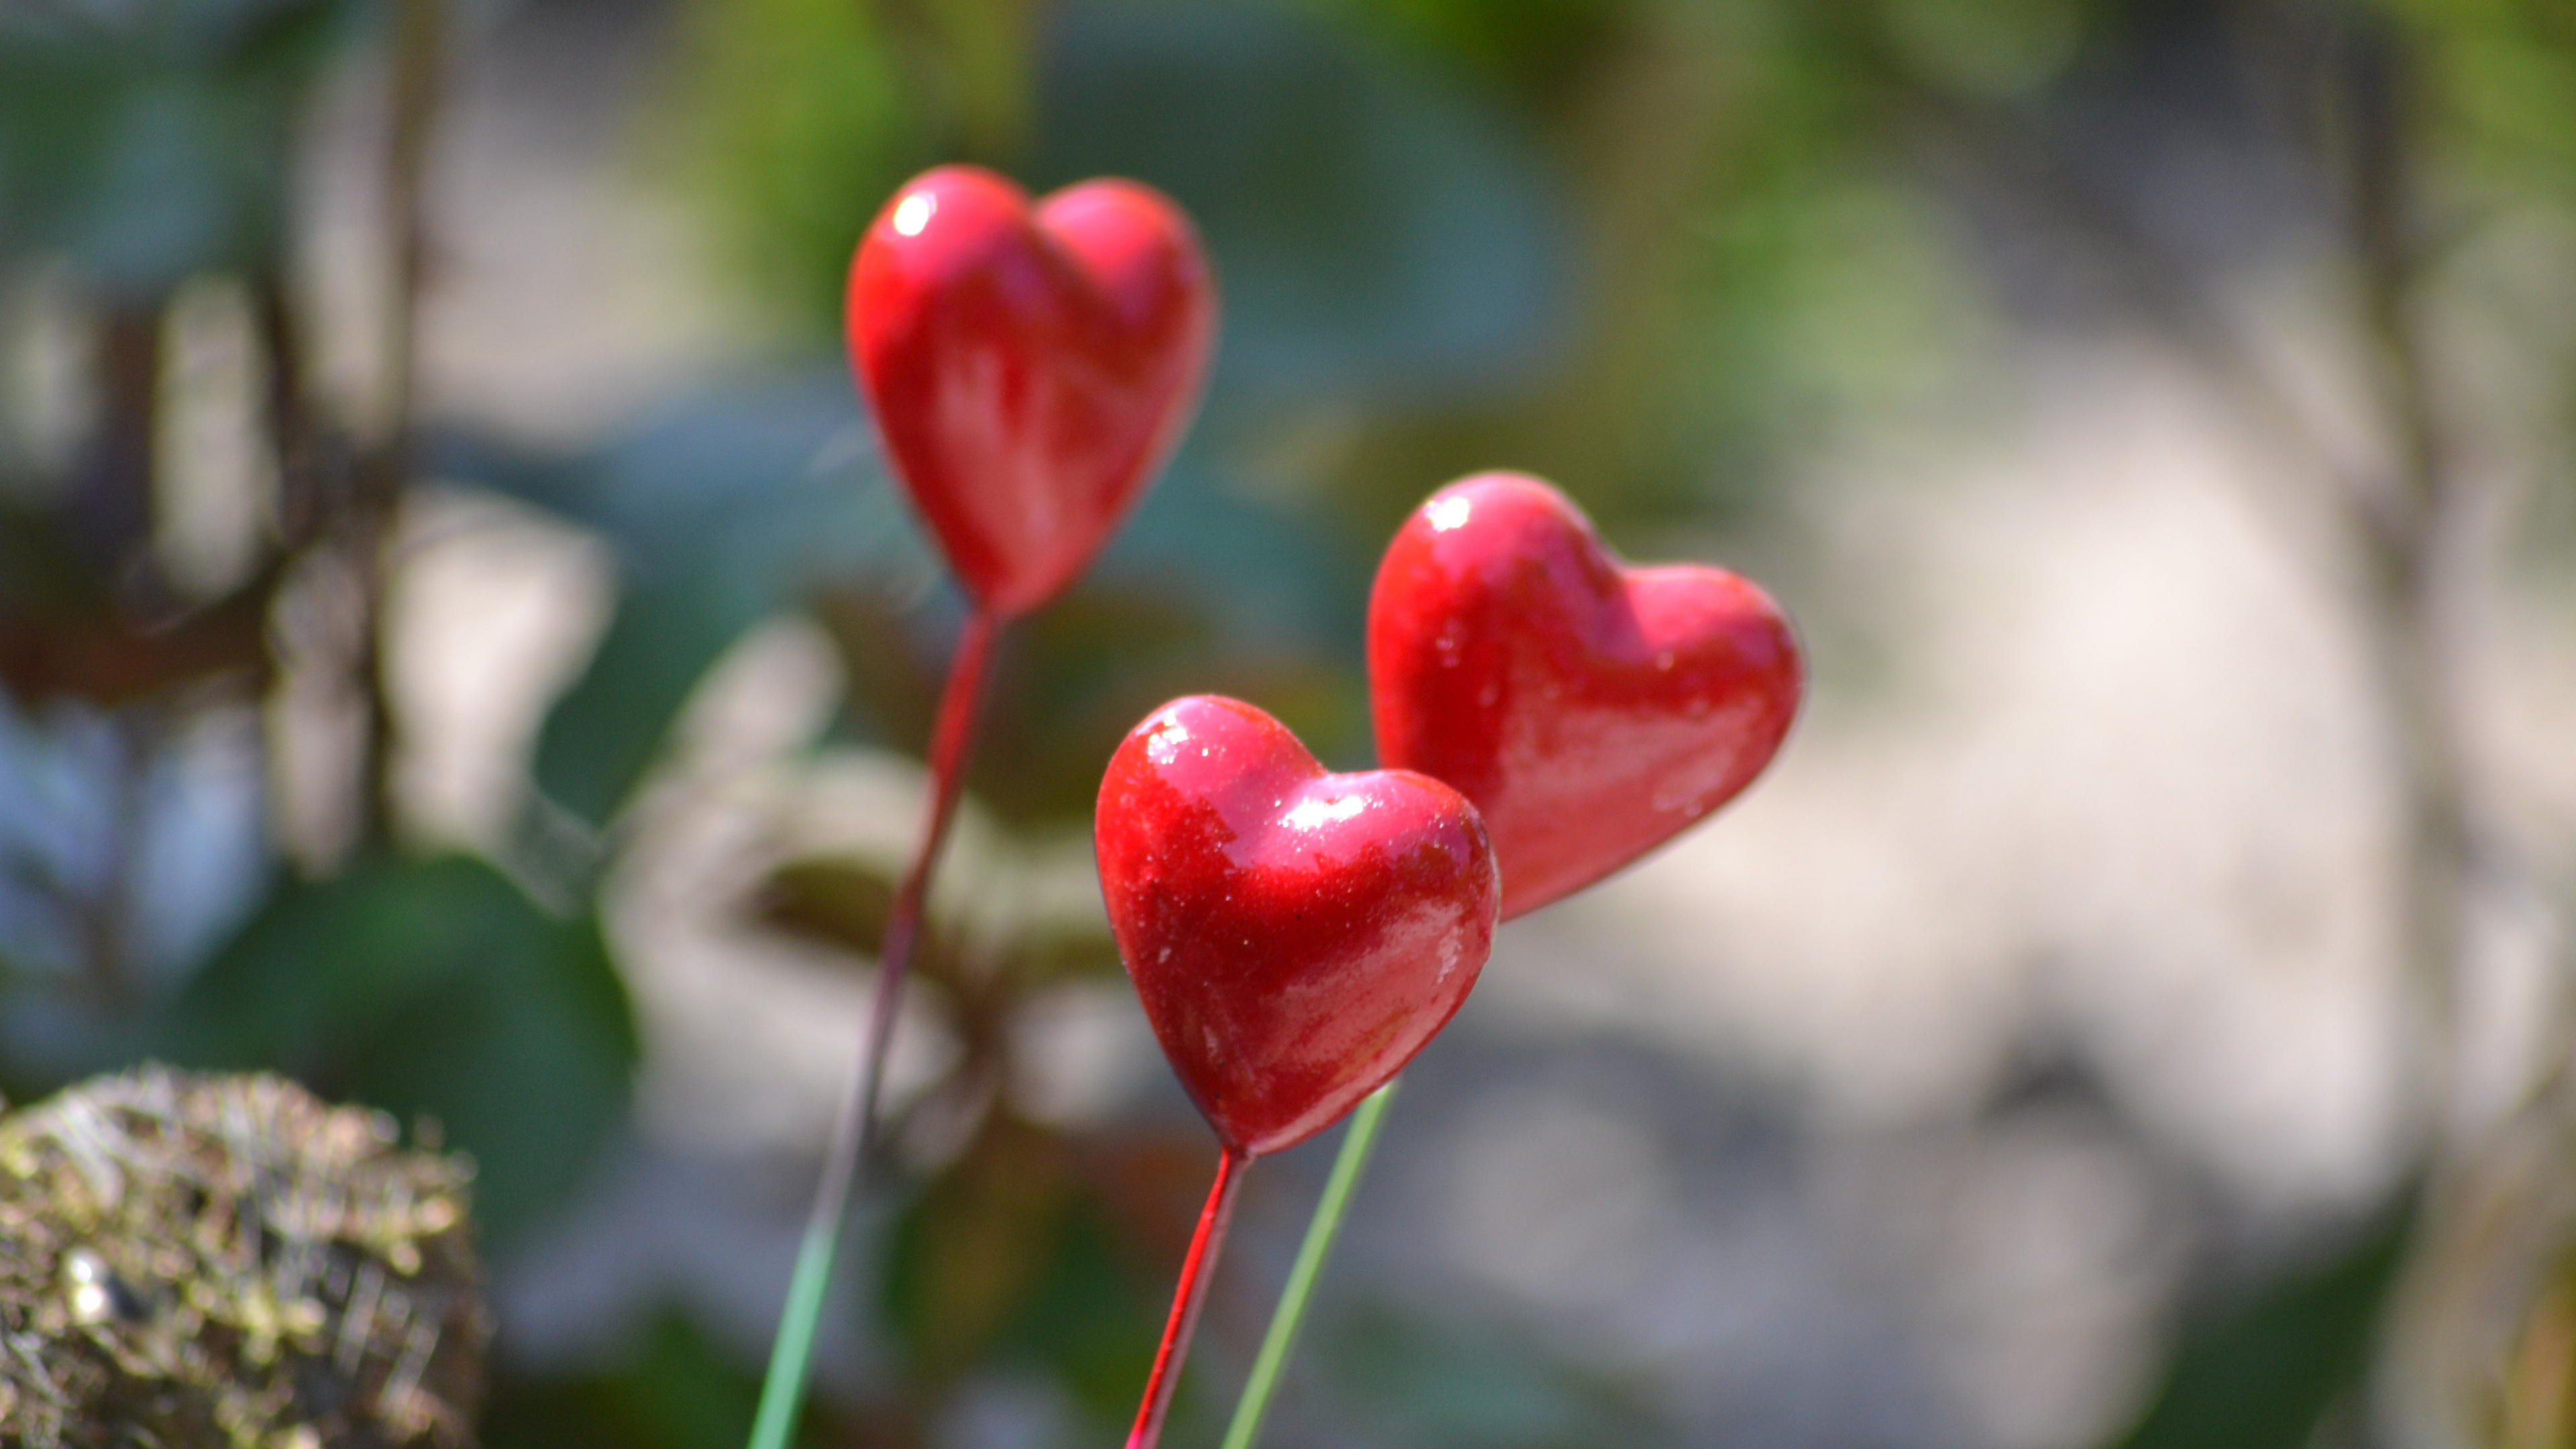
{"x": 1295, "y": 935}
{"x": 1591, "y": 711}
{"x": 1029, "y": 369}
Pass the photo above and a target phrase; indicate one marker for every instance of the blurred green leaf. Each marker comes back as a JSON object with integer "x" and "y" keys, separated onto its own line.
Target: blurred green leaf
{"x": 601, "y": 738}
{"x": 151, "y": 141}
{"x": 432, "y": 989}
{"x": 2264, "y": 1372}
{"x": 1377, "y": 232}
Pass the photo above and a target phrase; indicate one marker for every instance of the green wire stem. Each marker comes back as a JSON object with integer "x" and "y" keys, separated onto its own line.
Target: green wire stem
{"x": 854, "y": 1128}
{"x": 784, "y": 1391}
{"x": 1276, "y": 1344}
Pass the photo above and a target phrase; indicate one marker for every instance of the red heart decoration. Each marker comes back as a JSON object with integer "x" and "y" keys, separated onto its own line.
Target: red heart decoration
{"x": 1296, "y": 936}
{"x": 1591, "y": 711}
{"x": 1029, "y": 370}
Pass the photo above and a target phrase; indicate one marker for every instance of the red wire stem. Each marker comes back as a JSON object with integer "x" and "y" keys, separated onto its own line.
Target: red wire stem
{"x": 1187, "y": 1297}
{"x": 951, "y": 735}
{"x": 854, "y": 1132}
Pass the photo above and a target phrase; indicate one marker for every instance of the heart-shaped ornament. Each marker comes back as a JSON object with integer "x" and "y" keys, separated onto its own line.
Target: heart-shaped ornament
{"x": 1592, "y": 711}
{"x": 1295, "y": 935}
{"x": 1029, "y": 368}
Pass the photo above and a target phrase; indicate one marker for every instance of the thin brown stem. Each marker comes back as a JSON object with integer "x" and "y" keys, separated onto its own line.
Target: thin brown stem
{"x": 418, "y": 64}
{"x": 108, "y": 510}
{"x": 2407, "y": 533}
{"x": 110, "y": 913}
{"x": 294, "y": 432}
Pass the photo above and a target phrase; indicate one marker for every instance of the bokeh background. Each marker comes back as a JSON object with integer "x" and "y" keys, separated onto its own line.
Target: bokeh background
{"x": 458, "y": 645}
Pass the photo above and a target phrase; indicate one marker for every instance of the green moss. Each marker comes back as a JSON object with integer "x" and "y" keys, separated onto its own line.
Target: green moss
{"x": 225, "y": 1261}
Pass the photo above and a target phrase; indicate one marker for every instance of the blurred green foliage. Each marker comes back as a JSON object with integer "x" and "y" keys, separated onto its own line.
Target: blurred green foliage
{"x": 1662, "y": 250}
{"x": 437, "y": 990}
{"x": 2504, "y": 78}
{"x": 2275, "y": 1367}
{"x": 151, "y": 142}
{"x": 780, "y": 92}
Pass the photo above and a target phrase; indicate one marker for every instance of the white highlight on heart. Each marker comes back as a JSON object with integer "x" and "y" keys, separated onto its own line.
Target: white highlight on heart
{"x": 1164, "y": 744}
{"x": 1311, "y": 814}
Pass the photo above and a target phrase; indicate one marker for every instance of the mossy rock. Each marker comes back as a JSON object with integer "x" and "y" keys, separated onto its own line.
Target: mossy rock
{"x": 225, "y": 1262}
